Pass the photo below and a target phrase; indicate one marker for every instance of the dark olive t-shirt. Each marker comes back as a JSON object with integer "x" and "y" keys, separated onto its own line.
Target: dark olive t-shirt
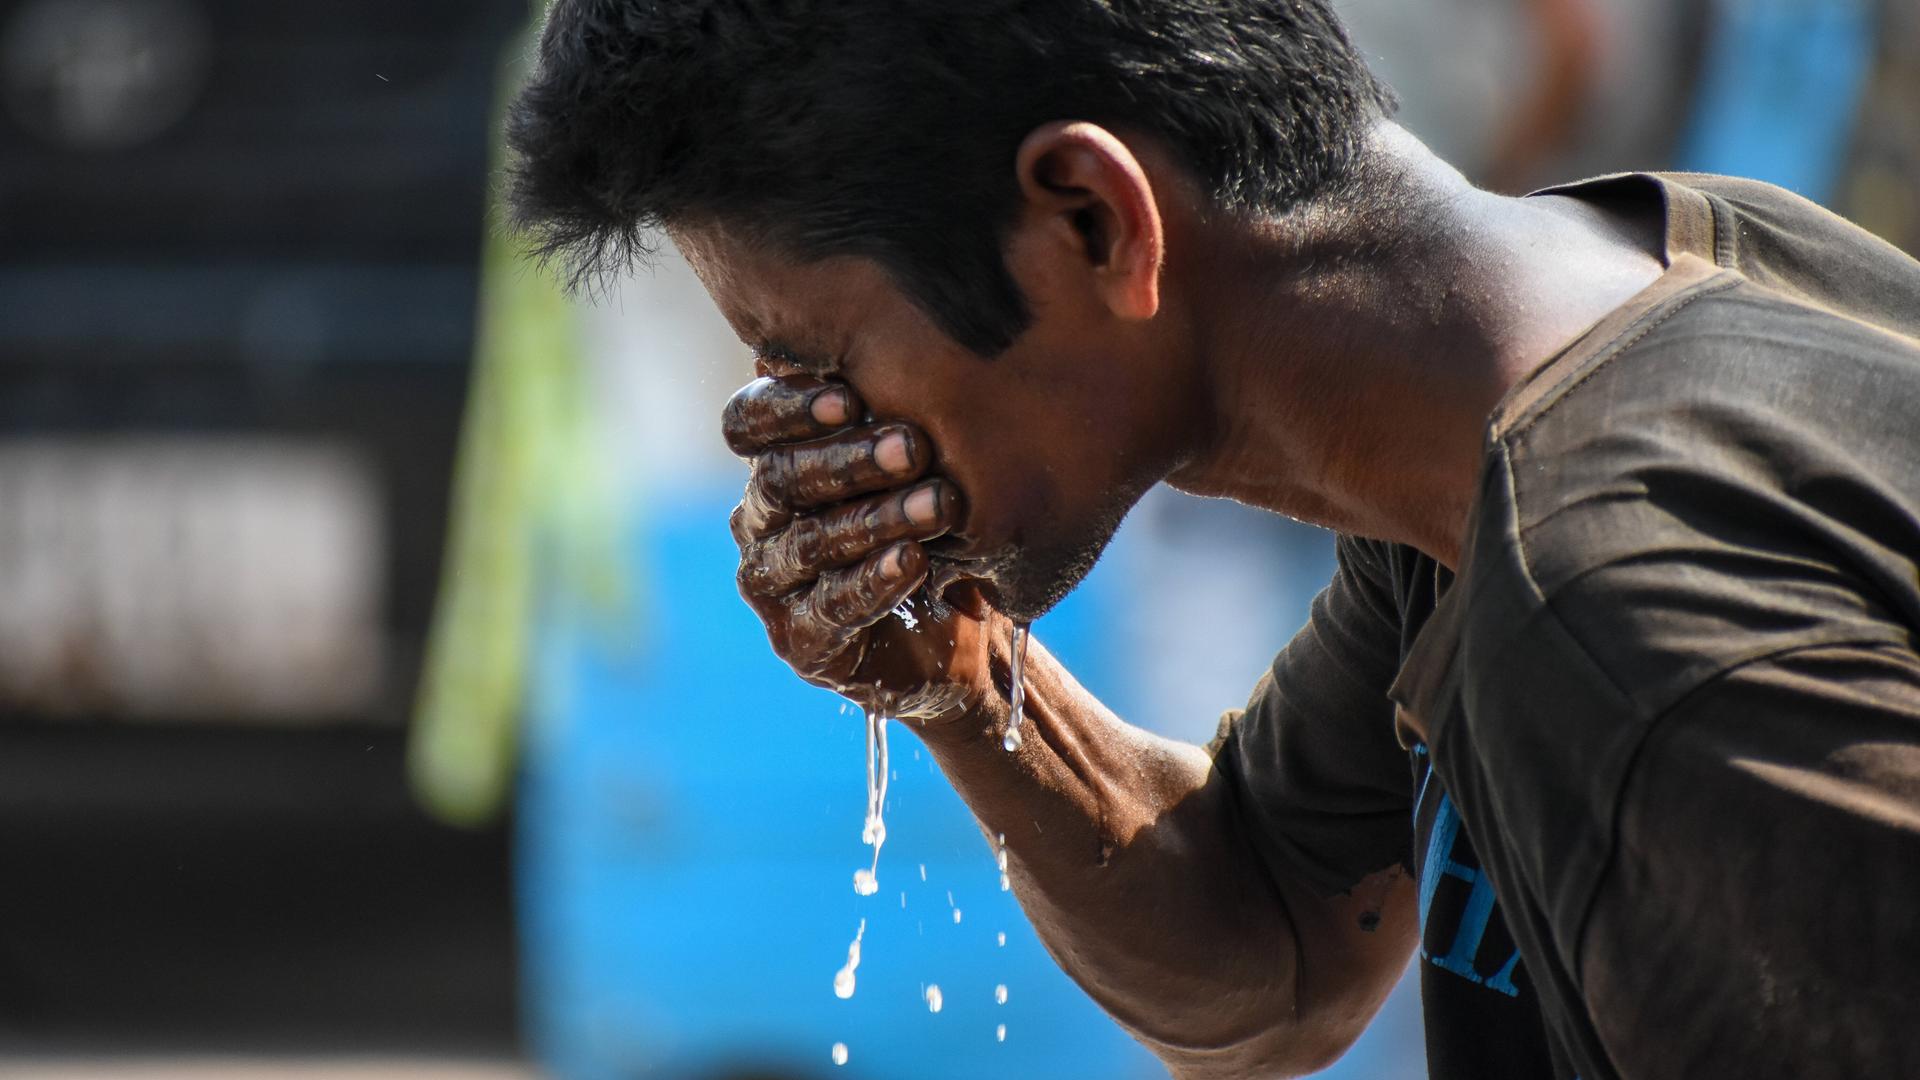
{"x": 1654, "y": 755}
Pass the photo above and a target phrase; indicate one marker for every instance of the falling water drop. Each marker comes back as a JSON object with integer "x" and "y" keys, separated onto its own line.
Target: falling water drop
{"x": 843, "y": 979}
{"x": 1000, "y": 994}
{"x": 934, "y": 1000}
{"x": 840, "y": 1052}
{"x": 1001, "y": 938}
{"x": 1000, "y": 1033}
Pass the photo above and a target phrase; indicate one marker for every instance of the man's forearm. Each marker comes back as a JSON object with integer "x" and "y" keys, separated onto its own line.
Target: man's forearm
{"x": 1127, "y": 854}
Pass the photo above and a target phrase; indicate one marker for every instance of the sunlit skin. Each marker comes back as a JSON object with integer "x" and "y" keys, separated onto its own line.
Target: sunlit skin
{"x": 1333, "y": 366}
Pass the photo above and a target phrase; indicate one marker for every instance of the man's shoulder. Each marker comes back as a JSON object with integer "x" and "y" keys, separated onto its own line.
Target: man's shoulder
{"x": 1741, "y": 480}
{"x": 1800, "y": 250}
{"x": 1775, "y": 238}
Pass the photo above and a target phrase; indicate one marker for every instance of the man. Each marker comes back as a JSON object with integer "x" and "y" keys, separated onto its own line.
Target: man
{"x": 1612, "y": 706}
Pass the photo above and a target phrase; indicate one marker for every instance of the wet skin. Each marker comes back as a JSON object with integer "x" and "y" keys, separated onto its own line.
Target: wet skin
{"x": 833, "y": 531}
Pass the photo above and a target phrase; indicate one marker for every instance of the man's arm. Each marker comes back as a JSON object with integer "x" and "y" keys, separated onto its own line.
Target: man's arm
{"x": 1132, "y": 861}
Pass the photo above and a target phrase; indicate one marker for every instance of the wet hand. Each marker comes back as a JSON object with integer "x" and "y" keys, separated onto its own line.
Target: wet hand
{"x": 830, "y": 532}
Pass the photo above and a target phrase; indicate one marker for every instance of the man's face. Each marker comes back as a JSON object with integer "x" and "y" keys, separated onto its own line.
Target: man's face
{"x": 1051, "y": 442}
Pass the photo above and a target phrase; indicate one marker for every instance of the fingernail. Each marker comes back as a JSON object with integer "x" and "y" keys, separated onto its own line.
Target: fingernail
{"x": 830, "y": 406}
{"x": 923, "y": 505}
{"x": 891, "y": 453}
{"x": 895, "y": 564}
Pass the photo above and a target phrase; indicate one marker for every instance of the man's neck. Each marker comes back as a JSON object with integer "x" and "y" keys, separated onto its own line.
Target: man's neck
{"x": 1354, "y": 355}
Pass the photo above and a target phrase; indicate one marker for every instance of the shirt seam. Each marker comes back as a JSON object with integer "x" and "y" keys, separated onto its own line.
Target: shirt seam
{"x": 1655, "y": 724}
{"x": 1720, "y": 282}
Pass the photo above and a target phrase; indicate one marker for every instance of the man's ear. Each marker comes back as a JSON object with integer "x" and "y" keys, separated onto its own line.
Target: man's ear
{"x": 1086, "y": 192}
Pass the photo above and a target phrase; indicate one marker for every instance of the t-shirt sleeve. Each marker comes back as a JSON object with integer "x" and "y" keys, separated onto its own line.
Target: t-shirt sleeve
{"x": 1318, "y": 776}
{"x": 1757, "y": 916}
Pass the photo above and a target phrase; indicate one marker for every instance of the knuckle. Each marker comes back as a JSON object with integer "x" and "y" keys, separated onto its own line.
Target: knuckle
{"x": 806, "y": 542}
{"x": 774, "y": 470}
{"x": 861, "y": 528}
{"x": 837, "y": 605}
{"x": 765, "y": 500}
{"x": 751, "y": 578}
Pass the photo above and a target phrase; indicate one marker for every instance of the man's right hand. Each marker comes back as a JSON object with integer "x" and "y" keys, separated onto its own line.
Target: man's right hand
{"x": 830, "y": 533}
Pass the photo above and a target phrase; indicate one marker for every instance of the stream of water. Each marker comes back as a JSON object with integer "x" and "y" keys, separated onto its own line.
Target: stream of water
{"x": 1017, "y": 693}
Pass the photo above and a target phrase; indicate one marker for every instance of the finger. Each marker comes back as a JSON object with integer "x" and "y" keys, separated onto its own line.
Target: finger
{"x": 845, "y": 534}
{"x": 762, "y": 511}
{"x": 800, "y": 476}
{"x": 795, "y": 408}
{"x": 860, "y": 595}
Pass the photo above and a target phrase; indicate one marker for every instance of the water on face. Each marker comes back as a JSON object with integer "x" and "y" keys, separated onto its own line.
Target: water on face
{"x": 1017, "y": 693}
{"x": 840, "y": 1052}
{"x": 843, "y": 979}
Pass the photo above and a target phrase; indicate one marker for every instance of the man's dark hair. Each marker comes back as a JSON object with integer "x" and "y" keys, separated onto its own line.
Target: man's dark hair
{"x": 887, "y": 128}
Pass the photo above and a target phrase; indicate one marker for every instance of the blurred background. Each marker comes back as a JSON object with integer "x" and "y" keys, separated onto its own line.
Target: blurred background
{"x": 374, "y": 697}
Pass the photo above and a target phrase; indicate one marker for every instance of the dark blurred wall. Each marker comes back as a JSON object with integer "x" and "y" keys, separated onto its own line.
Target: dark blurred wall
{"x": 239, "y": 250}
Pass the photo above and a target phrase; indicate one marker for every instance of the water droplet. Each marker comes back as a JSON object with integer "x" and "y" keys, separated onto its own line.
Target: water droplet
{"x": 1000, "y": 1033}
{"x": 1000, "y": 994}
{"x": 956, "y": 916}
{"x": 934, "y": 1000}
{"x": 1001, "y": 939}
{"x": 923, "y": 871}
{"x": 864, "y": 883}
{"x": 1006, "y": 883}
{"x": 840, "y": 1051}
{"x": 843, "y": 979}
{"x": 905, "y": 614}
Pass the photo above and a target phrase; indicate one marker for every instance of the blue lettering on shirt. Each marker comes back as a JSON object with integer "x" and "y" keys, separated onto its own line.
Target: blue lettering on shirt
{"x": 1438, "y": 864}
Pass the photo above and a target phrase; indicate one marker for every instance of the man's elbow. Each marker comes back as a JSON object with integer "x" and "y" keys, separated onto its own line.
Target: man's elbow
{"x": 1285, "y": 1048}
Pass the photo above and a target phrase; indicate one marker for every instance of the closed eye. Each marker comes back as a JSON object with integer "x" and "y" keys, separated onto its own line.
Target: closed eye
{"x": 775, "y": 359}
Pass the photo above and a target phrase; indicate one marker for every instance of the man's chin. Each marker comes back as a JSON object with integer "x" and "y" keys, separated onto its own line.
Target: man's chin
{"x": 1025, "y": 581}
{"x": 1025, "y": 598}
{"x": 1006, "y": 584}
{"x": 1031, "y": 582}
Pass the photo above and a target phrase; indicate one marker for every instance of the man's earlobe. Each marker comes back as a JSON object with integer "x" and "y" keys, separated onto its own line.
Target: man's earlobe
{"x": 1089, "y": 183}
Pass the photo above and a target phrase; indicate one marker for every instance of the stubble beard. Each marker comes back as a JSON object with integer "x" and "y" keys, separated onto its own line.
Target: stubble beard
{"x": 1028, "y": 578}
